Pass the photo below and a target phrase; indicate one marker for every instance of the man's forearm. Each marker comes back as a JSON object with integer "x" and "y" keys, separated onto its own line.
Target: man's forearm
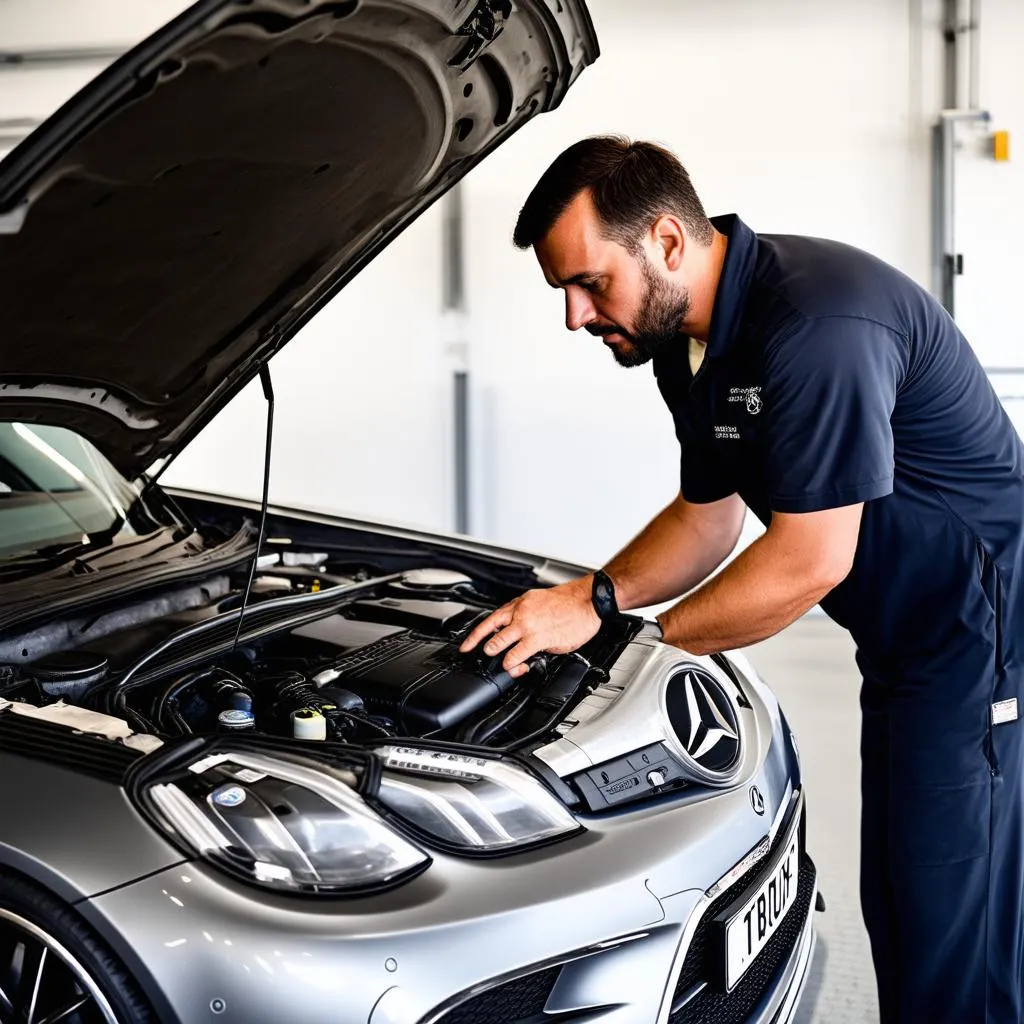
{"x": 678, "y": 549}
{"x": 767, "y": 587}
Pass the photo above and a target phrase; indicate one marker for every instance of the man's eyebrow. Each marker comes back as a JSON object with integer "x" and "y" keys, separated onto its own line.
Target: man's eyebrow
{"x": 579, "y": 278}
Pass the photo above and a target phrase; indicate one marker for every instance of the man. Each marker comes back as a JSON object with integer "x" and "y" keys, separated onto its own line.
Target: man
{"x": 838, "y": 401}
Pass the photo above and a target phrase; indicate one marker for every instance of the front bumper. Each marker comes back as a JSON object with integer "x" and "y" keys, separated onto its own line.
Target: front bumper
{"x": 603, "y": 927}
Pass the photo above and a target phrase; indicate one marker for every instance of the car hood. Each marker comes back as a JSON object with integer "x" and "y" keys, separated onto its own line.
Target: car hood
{"x": 173, "y": 225}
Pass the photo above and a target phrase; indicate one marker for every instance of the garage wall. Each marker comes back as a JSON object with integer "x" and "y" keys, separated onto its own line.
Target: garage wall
{"x": 800, "y": 116}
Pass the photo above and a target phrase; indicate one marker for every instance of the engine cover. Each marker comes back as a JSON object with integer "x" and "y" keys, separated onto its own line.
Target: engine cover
{"x": 419, "y": 681}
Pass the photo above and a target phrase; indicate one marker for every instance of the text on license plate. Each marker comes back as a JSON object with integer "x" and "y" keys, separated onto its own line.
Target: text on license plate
{"x": 749, "y": 930}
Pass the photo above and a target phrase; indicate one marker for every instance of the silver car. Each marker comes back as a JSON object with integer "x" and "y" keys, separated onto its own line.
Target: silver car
{"x": 249, "y": 776}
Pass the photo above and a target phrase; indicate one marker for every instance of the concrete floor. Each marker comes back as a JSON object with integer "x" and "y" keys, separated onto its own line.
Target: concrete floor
{"x": 811, "y": 668}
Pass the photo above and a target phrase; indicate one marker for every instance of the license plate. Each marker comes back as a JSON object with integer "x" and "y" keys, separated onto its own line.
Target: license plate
{"x": 749, "y": 928}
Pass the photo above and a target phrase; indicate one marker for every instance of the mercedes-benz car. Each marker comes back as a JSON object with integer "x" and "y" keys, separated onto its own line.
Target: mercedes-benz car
{"x": 250, "y": 777}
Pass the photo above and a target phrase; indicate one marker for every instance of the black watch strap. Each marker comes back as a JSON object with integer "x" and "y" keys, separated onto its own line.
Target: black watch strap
{"x": 602, "y": 595}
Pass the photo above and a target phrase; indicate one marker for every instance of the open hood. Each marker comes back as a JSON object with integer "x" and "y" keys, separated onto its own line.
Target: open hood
{"x": 173, "y": 226}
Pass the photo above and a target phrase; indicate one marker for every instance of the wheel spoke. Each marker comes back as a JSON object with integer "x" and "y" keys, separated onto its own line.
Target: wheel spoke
{"x": 36, "y": 986}
{"x": 62, "y": 1014}
{"x": 28, "y": 956}
{"x": 6, "y": 1007}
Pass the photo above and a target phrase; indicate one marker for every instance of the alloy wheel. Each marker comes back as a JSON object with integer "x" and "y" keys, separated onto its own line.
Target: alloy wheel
{"x": 41, "y": 982}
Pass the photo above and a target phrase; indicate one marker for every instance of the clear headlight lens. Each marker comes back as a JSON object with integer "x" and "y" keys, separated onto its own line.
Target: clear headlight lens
{"x": 283, "y": 825}
{"x": 470, "y": 802}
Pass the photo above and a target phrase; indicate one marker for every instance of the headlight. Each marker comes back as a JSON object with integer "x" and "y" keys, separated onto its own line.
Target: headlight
{"x": 470, "y": 802}
{"x": 283, "y": 825}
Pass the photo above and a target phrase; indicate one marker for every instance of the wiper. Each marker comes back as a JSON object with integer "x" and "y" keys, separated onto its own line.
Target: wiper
{"x": 57, "y": 553}
{"x": 77, "y": 556}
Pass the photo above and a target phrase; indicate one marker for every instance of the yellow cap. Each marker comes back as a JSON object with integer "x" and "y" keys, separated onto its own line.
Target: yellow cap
{"x": 1001, "y": 145}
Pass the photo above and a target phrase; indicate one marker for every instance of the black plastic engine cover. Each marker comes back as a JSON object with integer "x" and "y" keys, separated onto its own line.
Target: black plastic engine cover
{"x": 420, "y": 682}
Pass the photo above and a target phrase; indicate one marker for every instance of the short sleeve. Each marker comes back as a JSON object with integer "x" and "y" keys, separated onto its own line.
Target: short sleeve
{"x": 829, "y": 392}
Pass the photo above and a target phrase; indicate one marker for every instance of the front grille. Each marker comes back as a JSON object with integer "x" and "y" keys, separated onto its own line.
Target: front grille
{"x": 518, "y": 1000}
{"x": 713, "y": 1006}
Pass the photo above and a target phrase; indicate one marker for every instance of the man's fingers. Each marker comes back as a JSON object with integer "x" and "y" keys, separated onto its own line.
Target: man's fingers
{"x": 497, "y": 619}
{"x": 502, "y": 639}
{"x": 516, "y": 657}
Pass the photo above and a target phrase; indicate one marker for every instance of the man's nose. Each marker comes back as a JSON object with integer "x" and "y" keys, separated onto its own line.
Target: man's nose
{"x": 579, "y": 310}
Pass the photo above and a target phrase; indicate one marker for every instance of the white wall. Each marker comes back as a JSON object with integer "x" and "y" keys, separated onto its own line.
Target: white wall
{"x": 802, "y": 116}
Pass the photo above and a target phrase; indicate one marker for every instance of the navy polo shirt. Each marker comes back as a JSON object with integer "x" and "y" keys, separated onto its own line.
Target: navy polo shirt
{"x": 830, "y": 378}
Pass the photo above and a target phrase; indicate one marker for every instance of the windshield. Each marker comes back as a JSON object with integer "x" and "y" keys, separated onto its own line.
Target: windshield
{"x": 56, "y": 489}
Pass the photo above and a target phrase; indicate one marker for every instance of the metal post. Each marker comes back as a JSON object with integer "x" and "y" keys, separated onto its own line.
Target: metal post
{"x": 454, "y": 306}
{"x": 949, "y": 68}
{"x": 961, "y": 74}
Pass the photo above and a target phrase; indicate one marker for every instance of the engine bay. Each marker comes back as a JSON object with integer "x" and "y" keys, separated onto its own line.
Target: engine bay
{"x": 382, "y": 662}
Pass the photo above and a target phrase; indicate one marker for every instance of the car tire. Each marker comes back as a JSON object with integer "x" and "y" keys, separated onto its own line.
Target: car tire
{"x": 77, "y": 963}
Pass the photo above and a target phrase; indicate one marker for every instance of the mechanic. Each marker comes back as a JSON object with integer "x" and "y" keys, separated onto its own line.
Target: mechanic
{"x": 836, "y": 399}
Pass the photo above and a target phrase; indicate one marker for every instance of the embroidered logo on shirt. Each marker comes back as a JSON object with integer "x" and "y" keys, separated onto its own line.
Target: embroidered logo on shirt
{"x": 750, "y": 396}
{"x": 725, "y": 432}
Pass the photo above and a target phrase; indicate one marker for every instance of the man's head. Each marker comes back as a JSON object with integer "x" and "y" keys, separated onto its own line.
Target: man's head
{"x": 619, "y": 226}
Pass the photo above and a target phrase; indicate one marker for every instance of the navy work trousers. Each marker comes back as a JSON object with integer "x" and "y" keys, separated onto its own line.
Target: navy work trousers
{"x": 942, "y": 835}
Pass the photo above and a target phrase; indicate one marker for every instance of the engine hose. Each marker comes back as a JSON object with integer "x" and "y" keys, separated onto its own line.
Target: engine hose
{"x": 480, "y": 732}
{"x": 362, "y": 721}
{"x": 297, "y": 693}
{"x": 167, "y": 705}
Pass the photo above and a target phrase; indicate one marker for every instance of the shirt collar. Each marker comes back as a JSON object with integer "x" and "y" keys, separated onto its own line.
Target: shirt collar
{"x": 734, "y": 283}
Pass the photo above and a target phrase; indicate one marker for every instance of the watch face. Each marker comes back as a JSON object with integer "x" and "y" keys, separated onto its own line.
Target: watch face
{"x": 603, "y": 595}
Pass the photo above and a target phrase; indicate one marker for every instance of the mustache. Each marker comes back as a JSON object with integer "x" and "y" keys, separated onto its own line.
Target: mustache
{"x": 600, "y": 331}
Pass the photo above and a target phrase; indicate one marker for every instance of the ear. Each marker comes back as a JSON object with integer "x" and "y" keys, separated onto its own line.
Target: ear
{"x": 669, "y": 238}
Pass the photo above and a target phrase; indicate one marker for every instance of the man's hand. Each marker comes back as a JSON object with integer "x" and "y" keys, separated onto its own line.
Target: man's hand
{"x": 559, "y": 620}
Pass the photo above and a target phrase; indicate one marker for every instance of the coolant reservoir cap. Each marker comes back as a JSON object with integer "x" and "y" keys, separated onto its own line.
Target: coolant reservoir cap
{"x": 235, "y": 719}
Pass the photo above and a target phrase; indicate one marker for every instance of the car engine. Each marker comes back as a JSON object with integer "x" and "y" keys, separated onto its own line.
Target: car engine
{"x": 381, "y": 659}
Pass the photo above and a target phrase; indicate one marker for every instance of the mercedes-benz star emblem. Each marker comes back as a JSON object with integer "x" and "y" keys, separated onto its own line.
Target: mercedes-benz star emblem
{"x": 708, "y": 726}
{"x": 756, "y": 800}
{"x": 705, "y": 722}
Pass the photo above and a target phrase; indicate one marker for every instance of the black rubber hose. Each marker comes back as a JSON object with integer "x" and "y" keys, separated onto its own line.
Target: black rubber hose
{"x": 504, "y": 715}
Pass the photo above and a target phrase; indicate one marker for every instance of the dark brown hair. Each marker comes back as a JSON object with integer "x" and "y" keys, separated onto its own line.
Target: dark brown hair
{"x": 632, "y": 184}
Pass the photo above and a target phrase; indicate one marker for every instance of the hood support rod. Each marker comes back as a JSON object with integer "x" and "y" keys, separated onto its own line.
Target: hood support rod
{"x": 268, "y": 393}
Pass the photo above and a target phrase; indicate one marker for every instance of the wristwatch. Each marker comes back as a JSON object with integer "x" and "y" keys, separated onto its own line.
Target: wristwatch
{"x": 602, "y": 595}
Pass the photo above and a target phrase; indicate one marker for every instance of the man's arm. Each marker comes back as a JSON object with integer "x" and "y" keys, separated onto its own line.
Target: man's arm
{"x": 678, "y": 549}
{"x": 771, "y": 584}
{"x": 674, "y": 552}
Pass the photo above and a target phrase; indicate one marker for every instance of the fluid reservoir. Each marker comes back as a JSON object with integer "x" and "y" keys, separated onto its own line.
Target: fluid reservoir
{"x": 308, "y": 724}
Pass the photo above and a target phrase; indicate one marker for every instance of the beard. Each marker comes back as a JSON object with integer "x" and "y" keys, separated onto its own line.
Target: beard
{"x": 658, "y": 321}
